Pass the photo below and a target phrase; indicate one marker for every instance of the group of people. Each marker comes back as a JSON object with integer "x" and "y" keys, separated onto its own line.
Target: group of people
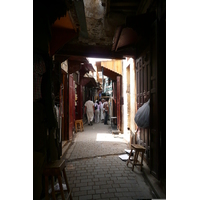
{"x": 97, "y": 111}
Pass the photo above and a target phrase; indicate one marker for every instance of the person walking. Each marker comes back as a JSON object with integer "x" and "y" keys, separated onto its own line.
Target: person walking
{"x": 96, "y": 106}
{"x": 101, "y": 110}
{"x": 100, "y": 105}
{"x": 106, "y": 111}
{"x": 89, "y": 110}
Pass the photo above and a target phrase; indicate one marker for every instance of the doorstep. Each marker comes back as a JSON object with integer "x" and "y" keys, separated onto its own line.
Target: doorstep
{"x": 116, "y": 131}
{"x": 155, "y": 183}
{"x": 64, "y": 143}
{"x": 65, "y": 147}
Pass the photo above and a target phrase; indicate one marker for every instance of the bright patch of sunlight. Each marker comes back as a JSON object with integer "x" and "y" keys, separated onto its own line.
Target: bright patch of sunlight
{"x": 98, "y": 59}
{"x": 94, "y": 60}
{"x": 106, "y": 137}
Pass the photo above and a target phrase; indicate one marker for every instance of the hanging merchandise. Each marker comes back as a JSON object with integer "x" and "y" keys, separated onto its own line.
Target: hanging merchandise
{"x": 142, "y": 115}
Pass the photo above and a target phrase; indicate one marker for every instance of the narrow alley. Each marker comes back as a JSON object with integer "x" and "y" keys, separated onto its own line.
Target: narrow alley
{"x": 95, "y": 171}
{"x": 108, "y": 53}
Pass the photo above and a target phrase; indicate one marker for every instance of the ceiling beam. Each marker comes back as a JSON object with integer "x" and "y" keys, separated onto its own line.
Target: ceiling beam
{"x": 89, "y": 51}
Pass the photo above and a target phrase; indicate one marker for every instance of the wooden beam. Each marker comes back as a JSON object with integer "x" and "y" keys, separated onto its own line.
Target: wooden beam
{"x": 90, "y": 51}
{"x": 128, "y": 37}
{"x": 116, "y": 37}
{"x": 86, "y": 80}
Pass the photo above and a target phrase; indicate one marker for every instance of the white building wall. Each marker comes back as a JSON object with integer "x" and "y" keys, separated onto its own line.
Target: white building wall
{"x": 132, "y": 98}
{"x": 129, "y": 135}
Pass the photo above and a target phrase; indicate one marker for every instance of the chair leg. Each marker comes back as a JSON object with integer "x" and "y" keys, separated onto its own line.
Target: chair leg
{"x": 52, "y": 186}
{"x": 82, "y": 125}
{"x": 68, "y": 189}
{"x": 129, "y": 158}
{"x": 46, "y": 188}
{"x": 76, "y": 127}
{"x": 61, "y": 188}
{"x": 135, "y": 159}
{"x": 142, "y": 160}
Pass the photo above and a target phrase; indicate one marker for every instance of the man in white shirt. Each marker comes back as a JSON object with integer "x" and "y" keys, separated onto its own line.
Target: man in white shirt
{"x": 89, "y": 110}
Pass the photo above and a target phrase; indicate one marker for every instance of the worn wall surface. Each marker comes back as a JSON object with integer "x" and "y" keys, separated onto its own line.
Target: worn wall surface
{"x": 132, "y": 98}
{"x": 100, "y": 27}
{"x": 129, "y": 96}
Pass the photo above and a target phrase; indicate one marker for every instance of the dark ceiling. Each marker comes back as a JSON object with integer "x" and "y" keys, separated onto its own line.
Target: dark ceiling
{"x": 98, "y": 22}
{"x": 103, "y": 28}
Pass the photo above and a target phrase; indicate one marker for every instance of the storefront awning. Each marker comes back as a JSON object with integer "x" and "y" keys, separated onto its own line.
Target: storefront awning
{"x": 88, "y": 81}
{"x": 107, "y": 72}
{"x": 62, "y": 31}
{"x": 80, "y": 64}
{"x": 130, "y": 34}
{"x": 111, "y": 74}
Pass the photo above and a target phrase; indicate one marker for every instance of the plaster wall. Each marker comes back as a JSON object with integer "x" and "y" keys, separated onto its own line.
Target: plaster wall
{"x": 95, "y": 13}
{"x": 129, "y": 95}
{"x": 101, "y": 26}
{"x": 132, "y": 99}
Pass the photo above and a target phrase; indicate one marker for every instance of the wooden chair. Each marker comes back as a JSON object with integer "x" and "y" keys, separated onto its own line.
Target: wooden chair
{"x": 138, "y": 148}
{"x": 56, "y": 168}
{"x": 79, "y": 125}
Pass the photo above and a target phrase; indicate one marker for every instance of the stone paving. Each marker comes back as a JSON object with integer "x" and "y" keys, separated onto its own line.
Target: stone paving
{"x": 96, "y": 140}
{"x": 95, "y": 171}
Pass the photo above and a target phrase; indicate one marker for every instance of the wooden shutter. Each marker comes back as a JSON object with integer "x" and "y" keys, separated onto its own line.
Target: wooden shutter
{"x": 71, "y": 107}
{"x": 143, "y": 80}
{"x": 65, "y": 103}
{"x": 118, "y": 102}
{"x": 80, "y": 102}
{"x": 154, "y": 115}
{"x": 73, "y": 104}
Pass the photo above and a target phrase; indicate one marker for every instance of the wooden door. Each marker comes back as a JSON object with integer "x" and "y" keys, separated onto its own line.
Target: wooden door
{"x": 61, "y": 115}
{"x": 71, "y": 107}
{"x": 151, "y": 83}
{"x": 80, "y": 102}
{"x": 143, "y": 85}
{"x": 146, "y": 78}
{"x": 62, "y": 106}
{"x": 128, "y": 96}
{"x": 66, "y": 110}
{"x": 118, "y": 102}
{"x": 154, "y": 114}
{"x": 73, "y": 103}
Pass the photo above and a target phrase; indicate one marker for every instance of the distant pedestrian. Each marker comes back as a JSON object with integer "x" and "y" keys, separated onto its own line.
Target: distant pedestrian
{"x": 89, "y": 110}
{"x": 106, "y": 111}
{"x": 102, "y": 110}
{"x": 96, "y": 107}
{"x": 100, "y": 105}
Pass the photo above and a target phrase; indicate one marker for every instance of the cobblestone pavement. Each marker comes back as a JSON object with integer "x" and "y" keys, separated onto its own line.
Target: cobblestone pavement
{"x": 95, "y": 171}
{"x": 96, "y": 140}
